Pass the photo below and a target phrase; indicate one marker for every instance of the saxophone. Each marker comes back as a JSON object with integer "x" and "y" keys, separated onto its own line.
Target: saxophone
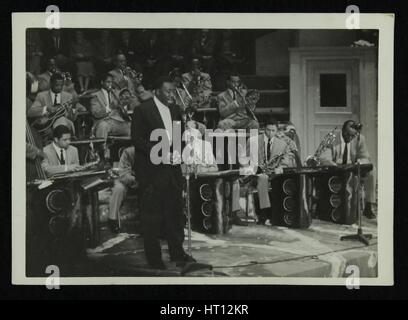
{"x": 327, "y": 142}
{"x": 268, "y": 167}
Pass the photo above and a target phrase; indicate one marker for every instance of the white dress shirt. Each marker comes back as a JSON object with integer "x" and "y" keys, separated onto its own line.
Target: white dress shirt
{"x": 343, "y": 144}
{"x": 266, "y": 139}
{"x": 166, "y": 117}
{"x": 64, "y": 153}
{"x": 52, "y": 100}
{"x": 106, "y": 94}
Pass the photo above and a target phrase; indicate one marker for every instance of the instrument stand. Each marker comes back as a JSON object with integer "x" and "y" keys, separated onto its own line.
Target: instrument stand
{"x": 360, "y": 236}
{"x": 191, "y": 266}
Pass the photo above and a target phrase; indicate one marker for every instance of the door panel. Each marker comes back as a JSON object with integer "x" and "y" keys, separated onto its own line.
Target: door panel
{"x": 332, "y": 97}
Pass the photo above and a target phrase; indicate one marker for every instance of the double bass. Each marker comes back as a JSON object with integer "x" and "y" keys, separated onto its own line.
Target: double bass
{"x": 34, "y": 170}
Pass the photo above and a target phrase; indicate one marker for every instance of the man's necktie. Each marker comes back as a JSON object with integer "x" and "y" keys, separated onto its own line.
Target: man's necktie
{"x": 62, "y": 160}
{"x": 109, "y": 100}
{"x": 55, "y": 99}
{"x": 268, "y": 149}
{"x": 345, "y": 152}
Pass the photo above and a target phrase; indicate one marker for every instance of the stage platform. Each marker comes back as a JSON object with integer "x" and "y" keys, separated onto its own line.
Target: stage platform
{"x": 247, "y": 251}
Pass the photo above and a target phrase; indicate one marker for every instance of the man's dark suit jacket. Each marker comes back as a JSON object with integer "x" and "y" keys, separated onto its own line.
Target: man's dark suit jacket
{"x": 146, "y": 118}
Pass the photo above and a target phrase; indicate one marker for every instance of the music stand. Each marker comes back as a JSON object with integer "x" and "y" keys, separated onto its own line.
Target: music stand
{"x": 360, "y": 236}
{"x": 191, "y": 266}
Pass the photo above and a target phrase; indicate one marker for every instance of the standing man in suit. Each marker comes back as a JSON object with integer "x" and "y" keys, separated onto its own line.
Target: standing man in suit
{"x": 60, "y": 156}
{"x": 47, "y": 102}
{"x": 160, "y": 181}
{"x": 56, "y": 46}
{"x": 232, "y": 107}
{"x": 261, "y": 149}
{"x": 346, "y": 149}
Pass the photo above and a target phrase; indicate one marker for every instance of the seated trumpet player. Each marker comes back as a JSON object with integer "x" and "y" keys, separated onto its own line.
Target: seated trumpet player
{"x": 60, "y": 156}
{"x": 198, "y": 85}
{"x": 347, "y": 149}
{"x": 122, "y": 184}
{"x": 236, "y": 111}
{"x": 109, "y": 111}
{"x": 268, "y": 155}
{"x": 119, "y": 75}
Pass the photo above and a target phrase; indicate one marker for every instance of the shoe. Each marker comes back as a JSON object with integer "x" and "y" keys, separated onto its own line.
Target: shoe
{"x": 238, "y": 221}
{"x": 113, "y": 226}
{"x": 261, "y": 222}
{"x": 159, "y": 265}
{"x": 368, "y": 212}
{"x": 183, "y": 258}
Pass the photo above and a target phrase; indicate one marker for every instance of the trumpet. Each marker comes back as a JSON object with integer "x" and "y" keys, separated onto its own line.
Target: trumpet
{"x": 133, "y": 74}
{"x": 327, "y": 142}
{"x": 250, "y": 103}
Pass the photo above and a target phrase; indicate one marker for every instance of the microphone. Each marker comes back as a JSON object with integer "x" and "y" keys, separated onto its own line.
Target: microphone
{"x": 357, "y": 126}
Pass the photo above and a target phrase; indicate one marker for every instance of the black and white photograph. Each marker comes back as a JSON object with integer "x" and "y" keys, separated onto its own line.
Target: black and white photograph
{"x": 197, "y": 149}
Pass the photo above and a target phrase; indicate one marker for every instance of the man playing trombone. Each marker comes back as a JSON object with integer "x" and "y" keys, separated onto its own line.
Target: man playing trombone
{"x": 233, "y": 106}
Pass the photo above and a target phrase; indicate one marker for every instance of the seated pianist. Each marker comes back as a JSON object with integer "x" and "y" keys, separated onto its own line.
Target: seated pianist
{"x": 232, "y": 106}
{"x": 48, "y": 102}
{"x": 59, "y": 155}
{"x": 347, "y": 150}
{"x": 121, "y": 186}
{"x": 263, "y": 149}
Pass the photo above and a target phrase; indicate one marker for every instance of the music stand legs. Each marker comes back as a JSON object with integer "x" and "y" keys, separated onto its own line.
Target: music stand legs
{"x": 360, "y": 236}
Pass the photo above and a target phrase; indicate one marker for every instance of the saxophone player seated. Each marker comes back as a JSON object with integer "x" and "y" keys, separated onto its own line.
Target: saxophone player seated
{"x": 268, "y": 154}
{"x": 347, "y": 149}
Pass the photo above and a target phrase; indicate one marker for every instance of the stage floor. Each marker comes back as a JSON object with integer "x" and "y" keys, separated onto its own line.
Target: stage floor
{"x": 247, "y": 251}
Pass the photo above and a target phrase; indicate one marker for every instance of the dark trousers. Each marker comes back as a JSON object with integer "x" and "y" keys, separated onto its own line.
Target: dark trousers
{"x": 162, "y": 211}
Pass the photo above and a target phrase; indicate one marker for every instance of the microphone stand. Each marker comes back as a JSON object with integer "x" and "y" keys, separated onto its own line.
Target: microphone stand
{"x": 191, "y": 266}
{"x": 360, "y": 236}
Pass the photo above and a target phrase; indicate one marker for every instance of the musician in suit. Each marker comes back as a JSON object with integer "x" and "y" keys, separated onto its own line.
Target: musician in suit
{"x": 125, "y": 181}
{"x": 160, "y": 181}
{"x": 106, "y": 112}
{"x": 262, "y": 149}
{"x": 48, "y": 102}
{"x": 45, "y": 77}
{"x": 346, "y": 149}
{"x": 198, "y": 84}
{"x": 120, "y": 79}
{"x": 60, "y": 156}
{"x": 232, "y": 107}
